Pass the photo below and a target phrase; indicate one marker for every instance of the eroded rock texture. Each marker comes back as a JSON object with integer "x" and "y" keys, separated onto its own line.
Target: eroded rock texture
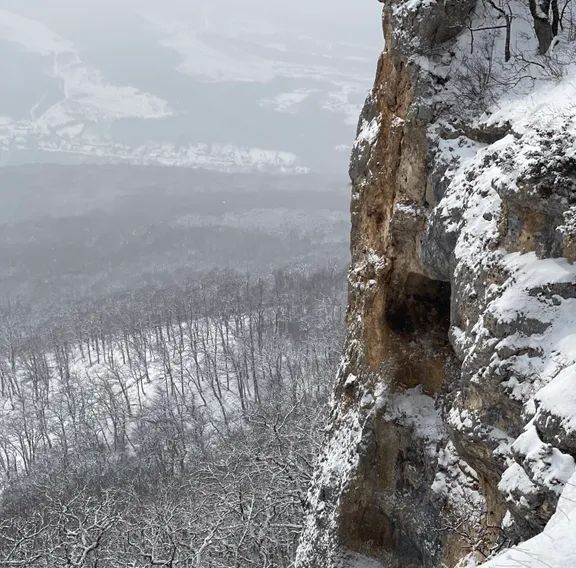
{"x": 447, "y": 442}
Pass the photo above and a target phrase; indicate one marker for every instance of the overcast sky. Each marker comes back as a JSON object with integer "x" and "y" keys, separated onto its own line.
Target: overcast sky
{"x": 335, "y": 19}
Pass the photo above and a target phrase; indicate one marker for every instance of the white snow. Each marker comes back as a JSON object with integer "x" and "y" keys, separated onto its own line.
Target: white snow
{"x": 88, "y": 104}
{"x": 368, "y": 131}
{"x": 411, "y": 6}
{"x": 85, "y": 93}
{"x": 350, "y": 380}
{"x": 228, "y": 158}
{"x": 515, "y": 481}
{"x": 559, "y": 397}
{"x": 540, "y": 365}
{"x": 88, "y": 100}
{"x": 549, "y": 467}
{"x": 554, "y": 547}
{"x": 287, "y": 102}
{"x": 414, "y": 409}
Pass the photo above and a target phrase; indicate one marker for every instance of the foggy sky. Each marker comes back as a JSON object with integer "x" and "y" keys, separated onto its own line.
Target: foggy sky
{"x": 334, "y": 19}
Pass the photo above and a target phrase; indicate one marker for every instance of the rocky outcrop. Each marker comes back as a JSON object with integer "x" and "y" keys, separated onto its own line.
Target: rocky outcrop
{"x": 447, "y": 439}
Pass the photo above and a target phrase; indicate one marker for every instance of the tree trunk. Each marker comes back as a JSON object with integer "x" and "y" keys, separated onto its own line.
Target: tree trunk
{"x": 540, "y": 10}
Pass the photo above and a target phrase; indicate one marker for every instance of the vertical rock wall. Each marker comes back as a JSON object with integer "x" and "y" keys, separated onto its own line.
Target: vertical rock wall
{"x": 429, "y": 459}
{"x": 372, "y": 496}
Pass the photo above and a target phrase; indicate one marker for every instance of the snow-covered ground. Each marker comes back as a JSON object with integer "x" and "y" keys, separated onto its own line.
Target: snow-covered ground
{"x": 89, "y": 101}
{"x": 105, "y": 394}
{"x": 554, "y": 547}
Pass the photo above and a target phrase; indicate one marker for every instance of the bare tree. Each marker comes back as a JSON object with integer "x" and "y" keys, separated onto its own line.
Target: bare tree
{"x": 546, "y": 16}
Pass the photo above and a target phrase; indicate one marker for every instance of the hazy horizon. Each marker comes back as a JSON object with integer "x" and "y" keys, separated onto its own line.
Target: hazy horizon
{"x": 268, "y": 87}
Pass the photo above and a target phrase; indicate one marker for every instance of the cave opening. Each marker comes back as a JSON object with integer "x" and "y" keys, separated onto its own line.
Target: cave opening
{"x": 421, "y": 308}
{"x": 417, "y": 318}
{"x": 417, "y": 354}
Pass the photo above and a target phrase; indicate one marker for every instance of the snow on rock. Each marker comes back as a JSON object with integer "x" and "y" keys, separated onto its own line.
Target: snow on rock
{"x": 554, "y": 547}
{"x": 548, "y": 466}
{"x": 558, "y": 398}
{"x": 466, "y": 201}
{"x": 515, "y": 301}
{"x": 368, "y": 131}
{"x": 414, "y": 409}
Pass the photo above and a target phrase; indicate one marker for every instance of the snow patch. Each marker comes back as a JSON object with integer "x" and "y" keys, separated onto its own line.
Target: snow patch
{"x": 554, "y": 547}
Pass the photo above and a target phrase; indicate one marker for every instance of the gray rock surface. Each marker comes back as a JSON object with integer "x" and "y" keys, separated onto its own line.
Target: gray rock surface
{"x": 448, "y": 440}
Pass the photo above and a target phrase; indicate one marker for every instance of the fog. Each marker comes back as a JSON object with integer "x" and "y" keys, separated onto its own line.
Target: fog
{"x": 329, "y": 19}
{"x": 273, "y": 86}
{"x": 263, "y": 94}
{"x": 174, "y": 237}
{"x": 267, "y": 90}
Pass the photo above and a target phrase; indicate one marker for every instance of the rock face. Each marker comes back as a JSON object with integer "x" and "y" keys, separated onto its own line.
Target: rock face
{"x": 451, "y": 435}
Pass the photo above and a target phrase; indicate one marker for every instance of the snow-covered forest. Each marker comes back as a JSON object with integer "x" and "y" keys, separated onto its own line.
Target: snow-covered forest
{"x": 170, "y": 427}
{"x": 172, "y": 276}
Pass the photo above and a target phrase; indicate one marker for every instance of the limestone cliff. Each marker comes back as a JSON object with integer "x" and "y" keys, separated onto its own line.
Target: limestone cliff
{"x": 452, "y": 435}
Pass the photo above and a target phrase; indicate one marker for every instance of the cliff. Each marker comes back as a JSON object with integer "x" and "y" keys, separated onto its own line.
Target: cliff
{"x": 452, "y": 434}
